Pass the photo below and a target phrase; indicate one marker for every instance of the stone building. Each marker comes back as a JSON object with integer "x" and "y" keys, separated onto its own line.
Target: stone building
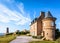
{"x": 44, "y": 25}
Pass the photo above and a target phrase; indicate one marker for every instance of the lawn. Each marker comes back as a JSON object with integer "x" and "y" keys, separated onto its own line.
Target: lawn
{"x": 44, "y": 42}
{"x": 7, "y": 39}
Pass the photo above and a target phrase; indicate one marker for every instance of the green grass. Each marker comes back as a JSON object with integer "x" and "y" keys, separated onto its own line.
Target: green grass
{"x": 42, "y": 42}
{"x": 45, "y": 41}
{"x": 7, "y": 39}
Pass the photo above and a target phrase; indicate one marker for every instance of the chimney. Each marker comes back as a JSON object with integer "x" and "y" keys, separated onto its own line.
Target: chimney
{"x": 42, "y": 14}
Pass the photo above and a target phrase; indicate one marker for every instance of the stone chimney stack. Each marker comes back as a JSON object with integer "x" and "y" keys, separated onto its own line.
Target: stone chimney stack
{"x": 42, "y": 14}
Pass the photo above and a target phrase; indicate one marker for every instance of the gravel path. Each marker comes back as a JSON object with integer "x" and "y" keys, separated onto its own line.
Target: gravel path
{"x": 22, "y": 39}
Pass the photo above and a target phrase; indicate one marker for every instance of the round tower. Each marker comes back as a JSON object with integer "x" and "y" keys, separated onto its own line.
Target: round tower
{"x": 7, "y": 30}
{"x": 49, "y": 26}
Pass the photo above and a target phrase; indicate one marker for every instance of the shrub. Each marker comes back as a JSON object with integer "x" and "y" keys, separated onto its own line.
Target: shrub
{"x": 9, "y": 34}
{"x": 28, "y": 34}
{"x": 57, "y": 33}
{"x": 38, "y": 37}
{"x": 34, "y": 36}
{"x": 22, "y": 33}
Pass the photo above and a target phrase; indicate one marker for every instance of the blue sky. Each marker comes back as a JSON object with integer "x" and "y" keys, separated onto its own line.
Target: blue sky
{"x": 17, "y": 14}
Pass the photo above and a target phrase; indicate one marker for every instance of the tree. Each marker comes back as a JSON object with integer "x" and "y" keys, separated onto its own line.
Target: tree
{"x": 57, "y": 33}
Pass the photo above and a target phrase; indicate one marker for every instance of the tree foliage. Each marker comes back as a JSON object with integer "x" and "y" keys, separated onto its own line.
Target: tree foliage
{"x": 57, "y": 33}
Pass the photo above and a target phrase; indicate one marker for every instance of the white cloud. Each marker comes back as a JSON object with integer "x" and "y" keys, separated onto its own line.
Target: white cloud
{"x": 7, "y": 15}
{"x": 4, "y": 19}
{"x": 21, "y": 8}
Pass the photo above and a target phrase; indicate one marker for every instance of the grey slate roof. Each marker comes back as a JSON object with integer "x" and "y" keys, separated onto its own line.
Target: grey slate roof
{"x": 34, "y": 20}
{"x": 48, "y": 15}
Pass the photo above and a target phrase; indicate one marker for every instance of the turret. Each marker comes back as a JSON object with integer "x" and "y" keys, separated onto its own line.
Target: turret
{"x": 7, "y": 30}
{"x": 49, "y": 26}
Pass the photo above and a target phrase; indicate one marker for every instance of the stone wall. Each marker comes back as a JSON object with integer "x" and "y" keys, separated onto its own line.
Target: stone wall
{"x": 33, "y": 29}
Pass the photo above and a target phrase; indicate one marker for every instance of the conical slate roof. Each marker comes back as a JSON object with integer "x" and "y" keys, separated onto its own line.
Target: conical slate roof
{"x": 48, "y": 15}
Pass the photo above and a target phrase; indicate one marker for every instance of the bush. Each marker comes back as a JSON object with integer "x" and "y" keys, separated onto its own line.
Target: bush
{"x": 38, "y": 37}
{"x": 28, "y": 34}
{"x": 34, "y": 36}
{"x": 22, "y": 33}
{"x": 9, "y": 34}
{"x": 57, "y": 33}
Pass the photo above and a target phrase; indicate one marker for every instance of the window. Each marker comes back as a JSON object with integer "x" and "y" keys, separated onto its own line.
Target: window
{"x": 44, "y": 24}
{"x": 47, "y": 33}
{"x": 52, "y": 23}
{"x": 48, "y": 23}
